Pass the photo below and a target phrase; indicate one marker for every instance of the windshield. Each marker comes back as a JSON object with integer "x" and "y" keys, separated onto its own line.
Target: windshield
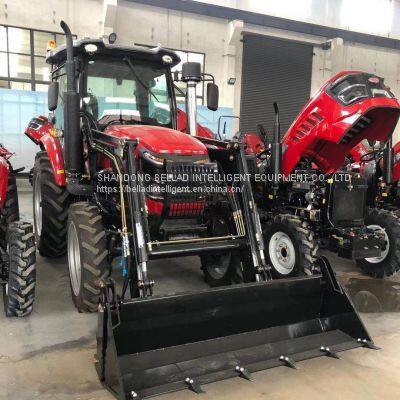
{"x": 127, "y": 90}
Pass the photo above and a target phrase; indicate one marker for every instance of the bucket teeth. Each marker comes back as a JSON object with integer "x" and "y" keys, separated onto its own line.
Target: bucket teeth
{"x": 194, "y": 386}
{"x": 328, "y": 352}
{"x": 243, "y": 373}
{"x": 288, "y": 361}
{"x": 368, "y": 344}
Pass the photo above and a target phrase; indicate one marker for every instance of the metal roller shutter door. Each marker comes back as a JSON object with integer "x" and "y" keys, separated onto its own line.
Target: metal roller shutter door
{"x": 273, "y": 70}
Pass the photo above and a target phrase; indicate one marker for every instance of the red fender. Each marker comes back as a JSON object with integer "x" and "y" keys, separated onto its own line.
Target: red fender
{"x": 254, "y": 144}
{"x": 39, "y": 130}
{"x": 38, "y": 127}
{"x": 396, "y": 162}
{"x": 4, "y": 172}
{"x": 358, "y": 151}
{"x": 202, "y": 131}
{"x": 53, "y": 149}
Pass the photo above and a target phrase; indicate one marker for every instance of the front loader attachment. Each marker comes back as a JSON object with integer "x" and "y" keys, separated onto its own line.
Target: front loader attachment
{"x": 163, "y": 344}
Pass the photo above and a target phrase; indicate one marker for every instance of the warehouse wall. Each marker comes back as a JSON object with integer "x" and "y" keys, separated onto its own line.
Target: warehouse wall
{"x": 179, "y": 31}
{"x": 219, "y": 39}
{"x": 83, "y": 16}
{"x": 380, "y": 17}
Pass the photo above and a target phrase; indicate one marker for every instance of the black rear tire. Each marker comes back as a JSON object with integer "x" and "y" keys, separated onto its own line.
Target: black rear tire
{"x": 19, "y": 292}
{"x": 295, "y": 242}
{"x": 10, "y": 211}
{"x": 221, "y": 269}
{"x": 88, "y": 257}
{"x": 390, "y": 264}
{"x": 51, "y": 226}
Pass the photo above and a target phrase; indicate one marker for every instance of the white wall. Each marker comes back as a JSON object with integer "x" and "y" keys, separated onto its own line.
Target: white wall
{"x": 151, "y": 26}
{"x": 219, "y": 39}
{"x": 381, "y": 17}
{"x": 83, "y": 16}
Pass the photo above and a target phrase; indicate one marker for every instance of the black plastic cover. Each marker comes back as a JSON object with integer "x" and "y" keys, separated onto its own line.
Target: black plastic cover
{"x": 191, "y": 71}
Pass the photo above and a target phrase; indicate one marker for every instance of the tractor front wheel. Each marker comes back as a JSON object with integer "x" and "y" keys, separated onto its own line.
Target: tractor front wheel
{"x": 87, "y": 255}
{"x": 10, "y": 212}
{"x": 290, "y": 246}
{"x": 388, "y": 262}
{"x": 20, "y": 259}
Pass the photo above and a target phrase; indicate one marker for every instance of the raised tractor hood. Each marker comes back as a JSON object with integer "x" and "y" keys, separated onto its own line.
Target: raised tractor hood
{"x": 350, "y": 107}
{"x": 159, "y": 140}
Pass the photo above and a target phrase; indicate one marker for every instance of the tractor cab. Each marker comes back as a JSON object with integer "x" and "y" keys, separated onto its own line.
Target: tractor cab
{"x": 118, "y": 85}
{"x": 124, "y": 85}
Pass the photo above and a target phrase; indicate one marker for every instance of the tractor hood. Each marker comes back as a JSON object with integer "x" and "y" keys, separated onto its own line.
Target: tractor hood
{"x": 350, "y": 107}
{"x": 158, "y": 139}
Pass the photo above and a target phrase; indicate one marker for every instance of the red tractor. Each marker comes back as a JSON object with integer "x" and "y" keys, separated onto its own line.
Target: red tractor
{"x": 17, "y": 246}
{"x": 307, "y": 197}
{"x": 379, "y": 165}
{"x": 123, "y": 178}
{"x": 123, "y": 124}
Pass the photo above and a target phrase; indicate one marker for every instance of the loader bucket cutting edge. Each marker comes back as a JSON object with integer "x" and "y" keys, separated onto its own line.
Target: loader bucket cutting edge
{"x": 164, "y": 344}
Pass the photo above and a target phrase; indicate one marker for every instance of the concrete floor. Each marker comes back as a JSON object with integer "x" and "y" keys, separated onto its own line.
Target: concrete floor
{"x": 50, "y": 354}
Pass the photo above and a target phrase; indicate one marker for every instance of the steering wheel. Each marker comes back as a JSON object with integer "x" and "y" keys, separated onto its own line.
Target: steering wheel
{"x": 163, "y": 117}
{"x": 371, "y": 155}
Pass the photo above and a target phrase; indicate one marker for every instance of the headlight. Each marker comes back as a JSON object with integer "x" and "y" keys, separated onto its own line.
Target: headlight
{"x": 354, "y": 87}
{"x": 154, "y": 159}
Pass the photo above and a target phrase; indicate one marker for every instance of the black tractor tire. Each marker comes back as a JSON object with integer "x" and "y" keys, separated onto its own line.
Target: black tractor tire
{"x": 19, "y": 291}
{"x": 51, "y": 227}
{"x": 293, "y": 245}
{"x": 390, "y": 264}
{"x": 217, "y": 269}
{"x": 87, "y": 255}
{"x": 10, "y": 211}
{"x": 220, "y": 269}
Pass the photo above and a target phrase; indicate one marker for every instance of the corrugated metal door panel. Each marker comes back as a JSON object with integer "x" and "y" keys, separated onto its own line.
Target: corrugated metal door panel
{"x": 273, "y": 70}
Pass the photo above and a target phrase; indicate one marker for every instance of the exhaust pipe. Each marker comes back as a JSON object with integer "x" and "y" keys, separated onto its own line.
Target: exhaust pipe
{"x": 73, "y": 136}
{"x": 191, "y": 74}
{"x": 388, "y": 161}
{"x": 276, "y": 148}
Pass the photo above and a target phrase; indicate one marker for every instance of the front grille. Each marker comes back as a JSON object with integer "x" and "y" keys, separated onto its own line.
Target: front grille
{"x": 189, "y": 186}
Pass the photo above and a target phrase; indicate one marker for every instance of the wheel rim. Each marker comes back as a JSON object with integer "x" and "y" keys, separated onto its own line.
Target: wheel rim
{"x": 37, "y": 205}
{"x": 74, "y": 259}
{"x": 282, "y": 253}
{"x": 376, "y": 260}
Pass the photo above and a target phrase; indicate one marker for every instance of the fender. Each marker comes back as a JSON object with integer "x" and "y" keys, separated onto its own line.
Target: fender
{"x": 396, "y": 162}
{"x": 202, "y": 131}
{"x": 357, "y": 152}
{"x": 254, "y": 144}
{"x": 39, "y": 130}
{"x": 4, "y": 172}
{"x": 52, "y": 146}
{"x": 38, "y": 127}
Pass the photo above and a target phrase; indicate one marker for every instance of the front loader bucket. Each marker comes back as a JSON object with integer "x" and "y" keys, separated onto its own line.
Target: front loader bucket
{"x": 163, "y": 344}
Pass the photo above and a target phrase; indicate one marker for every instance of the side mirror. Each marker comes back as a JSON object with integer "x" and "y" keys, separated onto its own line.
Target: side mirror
{"x": 52, "y": 96}
{"x": 212, "y": 96}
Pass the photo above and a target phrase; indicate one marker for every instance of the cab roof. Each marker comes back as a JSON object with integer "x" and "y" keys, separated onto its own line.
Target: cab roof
{"x": 59, "y": 54}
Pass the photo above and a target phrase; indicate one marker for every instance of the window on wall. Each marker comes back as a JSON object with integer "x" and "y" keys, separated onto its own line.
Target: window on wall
{"x": 23, "y": 57}
{"x": 187, "y": 56}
